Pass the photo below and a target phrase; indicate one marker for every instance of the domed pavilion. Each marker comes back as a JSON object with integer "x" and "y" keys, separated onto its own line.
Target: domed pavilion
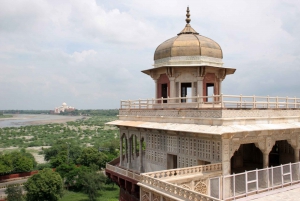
{"x": 188, "y": 65}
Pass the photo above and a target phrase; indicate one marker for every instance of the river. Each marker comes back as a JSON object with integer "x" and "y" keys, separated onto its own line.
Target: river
{"x": 35, "y": 119}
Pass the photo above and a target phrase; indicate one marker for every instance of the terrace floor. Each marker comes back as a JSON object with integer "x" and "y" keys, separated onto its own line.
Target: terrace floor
{"x": 290, "y": 193}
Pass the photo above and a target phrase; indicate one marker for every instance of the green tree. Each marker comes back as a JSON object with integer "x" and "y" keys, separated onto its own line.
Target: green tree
{"x": 21, "y": 163}
{"x": 90, "y": 156}
{"x": 6, "y": 165}
{"x": 91, "y": 182}
{"x": 14, "y": 193}
{"x": 46, "y": 185}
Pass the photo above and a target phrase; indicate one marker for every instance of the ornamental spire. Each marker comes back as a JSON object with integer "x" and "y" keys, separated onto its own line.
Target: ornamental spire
{"x": 188, "y": 15}
{"x": 188, "y": 29}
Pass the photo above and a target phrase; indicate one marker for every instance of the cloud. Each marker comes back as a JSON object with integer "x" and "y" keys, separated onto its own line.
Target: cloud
{"x": 90, "y": 53}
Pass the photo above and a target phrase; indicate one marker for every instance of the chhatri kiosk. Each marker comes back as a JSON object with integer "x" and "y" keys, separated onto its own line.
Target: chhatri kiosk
{"x": 191, "y": 142}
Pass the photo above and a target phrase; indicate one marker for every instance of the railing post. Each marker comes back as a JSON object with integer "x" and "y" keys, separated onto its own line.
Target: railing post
{"x": 198, "y": 101}
{"x": 162, "y": 101}
{"x": 139, "y": 103}
{"x": 147, "y": 103}
{"x": 276, "y": 101}
{"x": 268, "y": 100}
{"x": 241, "y": 101}
{"x": 213, "y": 97}
{"x": 295, "y": 102}
{"x": 129, "y": 104}
{"x": 221, "y": 100}
{"x": 286, "y": 102}
{"x": 254, "y": 100}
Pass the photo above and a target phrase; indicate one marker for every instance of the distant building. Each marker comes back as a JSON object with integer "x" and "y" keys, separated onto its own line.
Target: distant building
{"x": 63, "y": 108}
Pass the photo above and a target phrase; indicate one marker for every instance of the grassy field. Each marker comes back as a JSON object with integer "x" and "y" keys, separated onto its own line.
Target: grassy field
{"x": 6, "y": 116}
{"x": 108, "y": 193}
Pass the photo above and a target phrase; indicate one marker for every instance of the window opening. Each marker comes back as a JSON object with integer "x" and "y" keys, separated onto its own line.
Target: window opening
{"x": 209, "y": 91}
{"x": 186, "y": 91}
{"x": 164, "y": 92}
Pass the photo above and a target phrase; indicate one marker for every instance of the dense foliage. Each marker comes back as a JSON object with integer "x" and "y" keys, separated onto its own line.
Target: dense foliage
{"x": 17, "y": 161}
{"x": 14, "y": 193}
{"x": 77, "y": 150}
{"x": 46, "y": 185}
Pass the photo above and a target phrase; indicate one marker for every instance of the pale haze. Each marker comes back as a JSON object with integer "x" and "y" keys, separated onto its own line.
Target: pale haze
{"x": 90, "y": 53}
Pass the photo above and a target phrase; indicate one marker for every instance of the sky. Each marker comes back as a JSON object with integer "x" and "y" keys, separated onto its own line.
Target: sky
{"x": 90, "y": 53}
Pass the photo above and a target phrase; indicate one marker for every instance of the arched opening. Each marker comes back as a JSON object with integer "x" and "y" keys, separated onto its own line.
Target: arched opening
{"x": 247, "y": 157}
{"x": 282, "y": 153}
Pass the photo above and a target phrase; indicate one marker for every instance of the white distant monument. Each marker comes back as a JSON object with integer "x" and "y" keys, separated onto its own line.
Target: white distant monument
{"x": 64, "y": 107}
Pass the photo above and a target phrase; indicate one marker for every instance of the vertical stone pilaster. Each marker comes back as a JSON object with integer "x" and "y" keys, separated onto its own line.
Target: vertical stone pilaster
{"x": 134, "y": 147}
{"x": 156, "y": 86}
{"x": 126, "y": 151}
{"x": 121, "y": 150}
{"x": 296, "y": 153}
{"x": 172, "y": 88}
{"x": 141, "y": 156}
{"x": 200, "y": 86}
{"x": 265, "y": 159}
{"x": 129, "y": 152}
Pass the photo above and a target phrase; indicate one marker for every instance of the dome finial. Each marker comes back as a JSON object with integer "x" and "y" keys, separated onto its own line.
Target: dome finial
{"x": 188, "y": 15}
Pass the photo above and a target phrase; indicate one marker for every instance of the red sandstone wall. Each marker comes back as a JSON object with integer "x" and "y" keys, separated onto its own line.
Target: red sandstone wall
{"x": 17, "y": 175}
{"x": 210, "y": 78}
{"x": 163, "y": 79}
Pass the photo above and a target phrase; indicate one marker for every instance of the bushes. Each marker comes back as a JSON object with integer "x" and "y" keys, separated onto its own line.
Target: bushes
{"x": 15, "y": 162}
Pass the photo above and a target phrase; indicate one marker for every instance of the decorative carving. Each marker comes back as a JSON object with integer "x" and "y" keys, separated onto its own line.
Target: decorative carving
{"x": 201, "y": 187}
{"x": 186, "y": 186}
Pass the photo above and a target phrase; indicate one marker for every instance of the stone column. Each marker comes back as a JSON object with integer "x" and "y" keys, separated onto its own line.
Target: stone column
{"x": 220, "y": 86}
{"x": 226, "y": 168}
{"x": 134, "y": 147}
{"x": 265, "y": 159}
{"x": 172, "y": 88}
{"x": 200, "y": 86}
{"x": 126, "y": 150}
{"x": 129, "y": 152}
{"x": 156, "y": 86}
{"x": 141, "y": 155}
{"x": 296, "y": 153}
{"x": 121, "y": 150}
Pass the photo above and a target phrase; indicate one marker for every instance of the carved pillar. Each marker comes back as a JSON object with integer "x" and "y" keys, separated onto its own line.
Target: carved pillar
{"x": 226, "y": 167}
{"x": 200, "y": 86}
{"x": 265, "y": 159}
{"x": 172, "y": 89}
{"x": 121, "y": 150}
{"x": 296, "y": 153}
{"x": 129, "y": 152}
{"x": 156, "y": 86}
{"x": 126, "y": 150}
{"x": 220, "y": 86}
{"x": 134, "y": 147}
{"x": 141, "y": 155}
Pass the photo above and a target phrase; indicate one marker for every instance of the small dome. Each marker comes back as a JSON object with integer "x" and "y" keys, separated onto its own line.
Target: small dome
{"x": 64, "y": 104}
{"x": 188, "y": 43}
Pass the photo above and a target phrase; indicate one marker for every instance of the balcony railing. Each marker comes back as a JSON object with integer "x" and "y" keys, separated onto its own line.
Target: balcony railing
{"x": 123, "y": 172}
{"x": 185, "y": 171}
{"x": 214, "y": 101}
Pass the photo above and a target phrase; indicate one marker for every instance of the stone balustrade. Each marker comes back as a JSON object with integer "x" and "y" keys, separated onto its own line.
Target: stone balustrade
{"x": 214, "y": 101}
{"x": 123, "y": 172}
{"x": 184, "y": 171}
{"x": 172, "y": 189}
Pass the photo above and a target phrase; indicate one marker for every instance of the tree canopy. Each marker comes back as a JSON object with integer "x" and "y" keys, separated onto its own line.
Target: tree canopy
{"x": 44, "y": 186}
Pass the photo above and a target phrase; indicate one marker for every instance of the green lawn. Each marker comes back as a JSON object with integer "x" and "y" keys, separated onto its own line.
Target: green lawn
{"x": 5, "y": 116}
{"x": 107, "y": 194}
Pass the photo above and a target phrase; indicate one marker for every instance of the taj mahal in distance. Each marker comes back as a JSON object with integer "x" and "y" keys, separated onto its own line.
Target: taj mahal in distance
{"x": 192, "y": 142}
